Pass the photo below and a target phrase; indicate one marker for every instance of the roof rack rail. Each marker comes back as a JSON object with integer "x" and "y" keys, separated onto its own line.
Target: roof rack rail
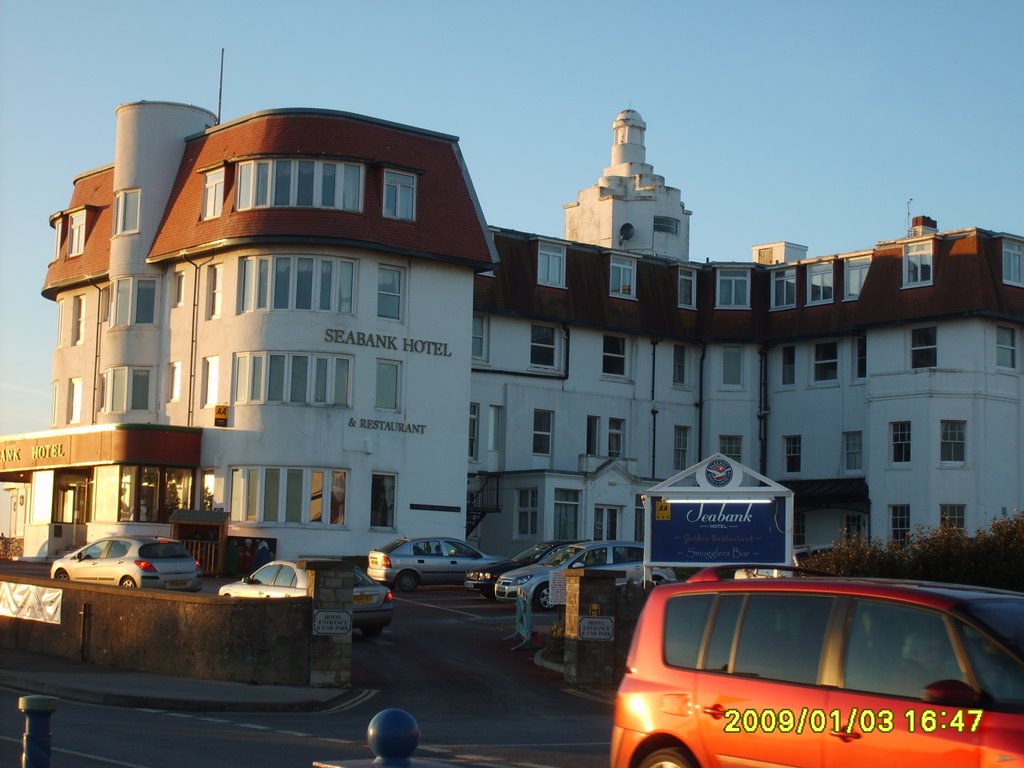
{"x": 716, "y": 572}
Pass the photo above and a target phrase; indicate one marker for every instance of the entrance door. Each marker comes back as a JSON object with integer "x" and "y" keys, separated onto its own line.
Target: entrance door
{"x": 606, "y": 523}
{"x": 73, "y": 504}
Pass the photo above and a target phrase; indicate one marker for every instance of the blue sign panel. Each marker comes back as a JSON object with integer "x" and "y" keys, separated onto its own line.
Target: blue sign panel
{"x": 721, "y": 532}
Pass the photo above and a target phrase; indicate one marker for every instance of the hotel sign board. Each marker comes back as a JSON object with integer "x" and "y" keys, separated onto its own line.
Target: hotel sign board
{"x": 718, "y": 512}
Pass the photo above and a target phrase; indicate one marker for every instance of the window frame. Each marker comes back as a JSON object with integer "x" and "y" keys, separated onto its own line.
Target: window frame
{"x": 1006, "y": 348}
{"x": 127, "y": 211}
{"x": 256, "y": 183}
{"x": 394, "y": 378}
{"x": 614, "y": 361}
{"x": 858, "y": 266}
{"x": 820, "y": 284}
{"x": 399, "y": 195}
{"x": 826, "y": 362}
{"x": 784, "y": 282}
{"x": 686, "y": 287}
{"x": 922, "y": 349}
{"x": 213, "y": 194}
{"x": 787, "y": 368}
{"x": 680, "y": 446}
{"x": 527, "y": 511}
{"x": 76, "y": 234}
{"x": 731, "y": 446}
{"x": 727, "y": 351}
{"x": 953, "y": 441}
{"x": 792, "y": 446}
{"x": 678, "y": 365}
{"x": 853, "y": 451}
{"x": 899, "y": 522}
{"x": 390, "y": 296}
{"x": 543, "y": 434}
{"x": 622, "y": 272}
{"x": 1013, "y": 262}
{"x": 119, "y": 384}
{"x": 537, "y": 347}
{"x": 900, "y": 442}
{"x": 732, "y": 277}
{"x": 549, "y": 254}
{"x": 918, "y": 263}
{"x": 616, "y": 437}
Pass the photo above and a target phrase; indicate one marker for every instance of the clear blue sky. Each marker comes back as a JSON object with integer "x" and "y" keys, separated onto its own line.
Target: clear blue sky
{"x": 813, "y": 121}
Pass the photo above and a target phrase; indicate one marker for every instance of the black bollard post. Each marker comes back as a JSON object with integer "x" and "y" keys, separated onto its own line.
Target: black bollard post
{"x": 36, "y": 741}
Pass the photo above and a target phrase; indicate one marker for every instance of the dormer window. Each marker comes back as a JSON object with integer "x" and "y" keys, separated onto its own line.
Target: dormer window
{"x": 623, "y": 277}
{"x": 126, "y": 212}
{"x": 551, "y": 265}
{"x": 213, "y": 194}
{"x": 784, "y": 288}
{"x": 299, "y": 184}
{"x": 856, "y": 272}
{"x": 733, "y": 289}
{"x": 58, "y": 235}
{"x": 687, "y": 288}
{"x": 1013, "y": 254}
{"x": 819, "y": 283}
{"x": 917, "y": 264}
{"x": 76, "y": 234}
{"x": 399, "y": 195}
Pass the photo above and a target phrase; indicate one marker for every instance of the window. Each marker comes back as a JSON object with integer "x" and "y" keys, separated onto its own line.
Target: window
{"x": 770, "y": 622}
{"x": 666, "y": 224}
{"x": 819, "y": 283}
{"x": 799, "y": 529}
{"x": 213, "y": 194}
{"x": 58, "y": 236}
{"x": 526, "y": 512}
{"x": 77, "y": 320}
{"x": 606, "y": 523}
{"x": 542, "y": 428}
{"x": 143, "y": 311}
{"x": 126, "y": 212}
{"x": 295, "y": 282}
{"x": 732, "y": 366}
{"x": 551, "y": 265}
{"x": 214, "y": 290}
{"x": 382, "y": 501}
{"x": 389, "y": 293}
{"x": 474, "y": 430}
{"x": 593, "y": 435}
{"x": 952, "y": 441}
{"x": 174, "y": 382}
{"x": 680, "y": 447}
{"x": 731, "y": 446}
{"x": 855, "y": 273}
{"x": 623, "y": 277}
{"x": 293, "y": 378}
{"x": 614, "y": 356}
{"x": 542, "y": 345}
{"x": 784, "y": 288}
{"x": 853, "y": 451}
{"x": 493, "y": 427}
{"x": 788, "y": 365}
{"x": 126, "y": 389}
{"x": 387, "y": 385}
{"x": 479, "y": 337}
{"x": 900, "y": 432}
{"x": 567, "y": 513}
{"x": 733, "y": 288}
{"x": 687, "y": 288}
{"x": 860, "y": 356}
{"x": 678, "y": 365}
{"x": 76, "y": 234}
{"x": 923, "y": 347}
{"x": 74, "y": 401}
{"x": 792, "y": 447}
{"x": 178, "y": 287}
{"x": 211, "y": 380}
{"x": 1006, "y": 347}
{"x": 307, "y": 183}
{"x": 826, "y": 361}
{"x": 953, "y": 515}
{"x": 616, "y": 429}
{"x": 313, "y": 496}
{"x": 917, "y": 264}
{"x": 1013, "y": 255}
{"x": 399, "y": 195}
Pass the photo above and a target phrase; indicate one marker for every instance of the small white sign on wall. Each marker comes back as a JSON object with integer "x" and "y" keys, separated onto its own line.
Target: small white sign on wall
{"x": 332, "y": 622}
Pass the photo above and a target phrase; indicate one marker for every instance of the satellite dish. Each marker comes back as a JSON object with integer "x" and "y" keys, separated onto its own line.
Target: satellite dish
{"x": 626, "y": 232}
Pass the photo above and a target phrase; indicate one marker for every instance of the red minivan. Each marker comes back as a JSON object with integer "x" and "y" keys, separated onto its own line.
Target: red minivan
{"x": 820, "y": 671}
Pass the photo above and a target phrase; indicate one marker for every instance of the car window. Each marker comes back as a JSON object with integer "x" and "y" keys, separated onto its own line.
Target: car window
{"x": 897, "y": 650}
{"x": 431, "y": 547}
{"x": 1004, "y": 616}
{"x": 117, "y": 548}
{"x": 285, "y": 577}
{"x": 999, "y": 674}
{"x": 93, "y": 551}
{"x": 265, "y": 575}
{"x": 163, "y": 550}
{"x": 360, "y": 579}
{"x": 685, "y": 619}
{"x": 596, "y": 556}
{"x": 782, "y": 636}
{"x": 458, "y": 549}
{"x": 719, "y": 652}
{"x": 562, "y": 555}
{"x": 627, "y": 554}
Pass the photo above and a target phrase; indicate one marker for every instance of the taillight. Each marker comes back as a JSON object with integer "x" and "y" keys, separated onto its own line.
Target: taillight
{"x": 385, "y": 561}
{"x": 199, "y": 566}
{"x": 145, "y": 565}
{"x": 388, "y": 597}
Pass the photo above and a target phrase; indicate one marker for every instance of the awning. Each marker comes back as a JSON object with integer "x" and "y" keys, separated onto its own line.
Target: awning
{"x": 200, "y": 516}
{"x": 849, "y": 493}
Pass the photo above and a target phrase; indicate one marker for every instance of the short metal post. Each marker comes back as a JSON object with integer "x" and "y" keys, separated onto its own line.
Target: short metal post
{"x": 37, "y": 739}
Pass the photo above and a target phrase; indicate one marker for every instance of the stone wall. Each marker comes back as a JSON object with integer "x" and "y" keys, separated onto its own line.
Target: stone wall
{"x": 188, "y": 635}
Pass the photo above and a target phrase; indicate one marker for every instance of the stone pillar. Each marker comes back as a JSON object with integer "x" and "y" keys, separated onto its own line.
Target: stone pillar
{"x": 330, "y": 587}
{"x": 590, "y": 626}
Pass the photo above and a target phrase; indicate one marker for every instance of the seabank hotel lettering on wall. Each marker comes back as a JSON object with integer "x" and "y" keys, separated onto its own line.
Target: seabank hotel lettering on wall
{"x": 385, "y": 341}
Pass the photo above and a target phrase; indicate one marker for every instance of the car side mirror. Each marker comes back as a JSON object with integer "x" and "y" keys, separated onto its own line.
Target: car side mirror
{"x": 955, "y": 693}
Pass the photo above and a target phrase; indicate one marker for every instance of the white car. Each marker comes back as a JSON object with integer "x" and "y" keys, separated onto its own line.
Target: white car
{"x": 132, "y": 561}
{"x": 371, "y": 602}
{"x": 534, "y": 580}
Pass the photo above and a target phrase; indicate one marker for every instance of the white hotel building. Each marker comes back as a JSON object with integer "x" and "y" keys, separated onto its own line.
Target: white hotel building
{"x": 277, "y": 328}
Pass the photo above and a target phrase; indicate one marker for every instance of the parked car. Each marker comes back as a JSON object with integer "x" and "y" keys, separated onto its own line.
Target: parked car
{"x": 822, "y": 671}
{"x": 132, "y": 561}
{"x": 371, "y": 602}
{"x": 483, "y": 579}
{"x": 406, "y": 563}
{"x": 534, "y": 579}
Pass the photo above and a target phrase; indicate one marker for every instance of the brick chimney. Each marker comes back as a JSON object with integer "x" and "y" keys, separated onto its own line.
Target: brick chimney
{"x": 923, "y": 225}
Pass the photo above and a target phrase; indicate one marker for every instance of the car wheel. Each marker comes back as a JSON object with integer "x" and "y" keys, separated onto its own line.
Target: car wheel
{"x": 371, "y": 631}
{"x": 667, "y": 758}
{"x": 127, "y": 582}
{"x": 407, "y": 581}
{"x": 542, "y": 597}
{"x": 61, "y": 576}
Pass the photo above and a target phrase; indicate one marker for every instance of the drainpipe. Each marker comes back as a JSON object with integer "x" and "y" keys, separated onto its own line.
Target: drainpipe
{"x": 763, "y": 408}
{"x": 699, "y": 405}
{"x": 654, "y": 408}
{"x": 96, "y": 355}
{"x": 194, "y": 342}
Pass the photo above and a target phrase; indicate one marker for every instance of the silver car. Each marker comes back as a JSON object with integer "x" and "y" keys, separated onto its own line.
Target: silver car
{"x": 406, "y": 563}
{"x": 371, "y": 602}
{"x": 132, "y": 561}
{"x": 535, "y": 580}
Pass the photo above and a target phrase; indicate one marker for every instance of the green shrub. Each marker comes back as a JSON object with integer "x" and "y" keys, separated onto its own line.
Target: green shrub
{"x": 993, "y": 557}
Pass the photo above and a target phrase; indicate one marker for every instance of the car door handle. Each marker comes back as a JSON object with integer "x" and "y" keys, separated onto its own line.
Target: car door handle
{"x": 453, "y": 562}
{"x": 717, "y": 711}
{"x": 845, "y": 737}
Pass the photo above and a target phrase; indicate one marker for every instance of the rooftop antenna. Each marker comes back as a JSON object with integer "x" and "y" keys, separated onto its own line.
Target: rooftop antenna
{"x": 909, "y": 230}
{"x": 220, "y": 85}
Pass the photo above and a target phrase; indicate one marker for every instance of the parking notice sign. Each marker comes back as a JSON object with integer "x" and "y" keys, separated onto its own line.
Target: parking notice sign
{"x": 332, "y": 622}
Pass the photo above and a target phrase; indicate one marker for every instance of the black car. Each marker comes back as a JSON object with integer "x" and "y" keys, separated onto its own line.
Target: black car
{"x": 482, "y": 580}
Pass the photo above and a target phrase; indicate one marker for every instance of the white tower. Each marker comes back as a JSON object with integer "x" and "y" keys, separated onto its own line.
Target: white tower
{"x": 631, "y": 209}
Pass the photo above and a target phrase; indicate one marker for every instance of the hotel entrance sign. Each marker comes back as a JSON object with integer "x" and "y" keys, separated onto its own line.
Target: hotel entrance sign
{"x": 718, "y": 512}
